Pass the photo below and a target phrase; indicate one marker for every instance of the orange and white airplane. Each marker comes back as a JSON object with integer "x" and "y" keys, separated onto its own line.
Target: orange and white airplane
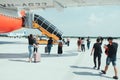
{"x": 12, "y": 12}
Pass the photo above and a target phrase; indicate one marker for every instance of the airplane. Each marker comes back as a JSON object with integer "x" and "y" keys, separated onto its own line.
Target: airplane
{"x": 12, "y": 12}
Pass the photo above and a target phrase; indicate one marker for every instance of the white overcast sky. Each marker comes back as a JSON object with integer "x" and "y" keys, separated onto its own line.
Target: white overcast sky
{"x": 85, "y": 21}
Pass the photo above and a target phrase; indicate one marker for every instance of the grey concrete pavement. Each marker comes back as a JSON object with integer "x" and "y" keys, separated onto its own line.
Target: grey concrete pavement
{"x": 71, "y": 65}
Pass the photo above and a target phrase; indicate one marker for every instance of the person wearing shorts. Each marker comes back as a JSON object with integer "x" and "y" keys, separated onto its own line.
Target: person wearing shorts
{"x": 109, "y": 60}
{"x": 111, "y": 56}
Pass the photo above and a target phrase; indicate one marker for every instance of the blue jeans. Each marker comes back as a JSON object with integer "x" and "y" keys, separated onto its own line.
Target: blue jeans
{"x": 49, "y": 48}
{"x": 30, "y": 48}
{"x": 109, "y": 60}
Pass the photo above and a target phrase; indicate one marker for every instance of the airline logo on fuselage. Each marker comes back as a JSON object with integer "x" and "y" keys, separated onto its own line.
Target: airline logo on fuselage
{"x": 43, "y": 4}
{"x": 26, "y": 3}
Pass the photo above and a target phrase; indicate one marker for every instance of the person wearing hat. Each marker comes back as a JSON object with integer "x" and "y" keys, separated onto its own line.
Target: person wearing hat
{"x": 111, "y": 56}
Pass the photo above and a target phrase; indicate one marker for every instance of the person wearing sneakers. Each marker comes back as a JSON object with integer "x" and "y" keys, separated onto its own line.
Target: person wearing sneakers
{"x": 97, "y": 53}
{"x": 111, "y": 56}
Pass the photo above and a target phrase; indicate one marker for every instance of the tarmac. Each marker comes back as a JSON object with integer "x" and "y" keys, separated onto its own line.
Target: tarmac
{"x": 71, "y": 65}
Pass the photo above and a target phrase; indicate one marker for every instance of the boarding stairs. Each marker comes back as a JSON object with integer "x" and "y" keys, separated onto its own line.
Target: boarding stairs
{"x": 46, "y": 28}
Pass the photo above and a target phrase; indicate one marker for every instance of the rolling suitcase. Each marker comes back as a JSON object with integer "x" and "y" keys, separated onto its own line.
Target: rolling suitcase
{"x": 37, "y": 57}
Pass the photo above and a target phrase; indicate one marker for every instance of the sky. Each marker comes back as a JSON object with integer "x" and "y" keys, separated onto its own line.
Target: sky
{"x": 85, "y": 21}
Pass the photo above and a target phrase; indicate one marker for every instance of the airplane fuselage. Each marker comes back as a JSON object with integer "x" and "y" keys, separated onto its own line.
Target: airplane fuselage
{"x": 8, "y": 24}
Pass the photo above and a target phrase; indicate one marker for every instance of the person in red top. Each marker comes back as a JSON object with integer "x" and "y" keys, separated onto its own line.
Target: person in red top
{"x": 79, "y": 44}
{"x": 60, "y": 46}
{"x": 82, "y": 45}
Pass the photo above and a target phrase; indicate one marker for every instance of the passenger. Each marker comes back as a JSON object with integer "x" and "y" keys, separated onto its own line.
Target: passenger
{"x": 63, "y": 41}
{"x": 36, "y": 54}
{"x": 68, "y": 42}
{"x": 88, "y": 42}
{"x": 82, "y": 45}
{"x": 49, "y": 44}
{"x": 101, "y": 39}
{"x": 97, "y": 53}
{"x": 79, "y": 44}
{"x": 36, "y": 45}
{"x": 111, "y": 56}
{"x": 30, "y": 46}
{"x": 60, "y": 45}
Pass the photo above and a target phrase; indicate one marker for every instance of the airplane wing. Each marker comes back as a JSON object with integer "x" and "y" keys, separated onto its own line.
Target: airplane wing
{"x": 78, "y": 3}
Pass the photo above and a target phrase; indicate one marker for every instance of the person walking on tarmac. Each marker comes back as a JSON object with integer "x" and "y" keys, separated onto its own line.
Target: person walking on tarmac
{"x": 88, "y": 42}
{"x": 97, "y": 53}
{"x": 49, "y": 44}
{"x": 30, "y": 46}
{"x": 60, "y": 45}
{"x": 79, "y": 44}
{"x": 82, "y": 45}
{"x": 111, "y": 51}
{"x": 36, "y": 45}
{"x": 68, "y": 42}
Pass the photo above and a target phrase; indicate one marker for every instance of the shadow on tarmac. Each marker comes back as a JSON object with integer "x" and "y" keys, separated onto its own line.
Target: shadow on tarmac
{"x": 13, "y": 55}
{"x": 25, "y": 55}
{"x": 86, "y": 73}
{"x": 72, "y": 51}
{"x": 25, "y": 61}
{"x": 107, "y": 77}
{"x": 8, "y": 42}
{"x": 92, "y": 74}
{"x": 18, "y": 60}
{"x": 58, "y": 55}
{"x": 81, "y": 67}
{"x": 89, "y": 73}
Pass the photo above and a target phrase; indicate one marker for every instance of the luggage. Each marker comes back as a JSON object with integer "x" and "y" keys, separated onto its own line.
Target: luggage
{"x": 46, "y": 49}
{"x": 37, "y": 57}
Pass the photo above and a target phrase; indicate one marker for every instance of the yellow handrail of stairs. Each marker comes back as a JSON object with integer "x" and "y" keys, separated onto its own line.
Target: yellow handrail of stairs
{"x": 45, "y": 32}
